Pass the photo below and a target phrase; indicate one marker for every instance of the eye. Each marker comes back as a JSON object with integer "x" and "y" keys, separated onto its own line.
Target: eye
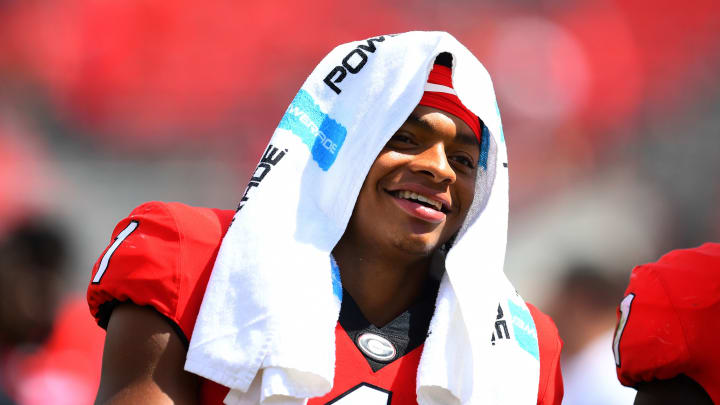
{"x": 402, "y": 139}
{"x": 463, "y": 160}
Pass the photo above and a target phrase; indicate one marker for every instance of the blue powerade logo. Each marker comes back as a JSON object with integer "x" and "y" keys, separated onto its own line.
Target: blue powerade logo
{"x": 524, "y": 329}
{"x": 323, "y": 135}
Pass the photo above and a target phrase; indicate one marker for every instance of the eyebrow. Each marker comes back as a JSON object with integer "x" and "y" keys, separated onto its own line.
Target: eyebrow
{"x": 462, "y": 137}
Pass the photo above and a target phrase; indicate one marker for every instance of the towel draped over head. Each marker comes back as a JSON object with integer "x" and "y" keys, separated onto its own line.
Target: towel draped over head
{"x": 273, "y": 273}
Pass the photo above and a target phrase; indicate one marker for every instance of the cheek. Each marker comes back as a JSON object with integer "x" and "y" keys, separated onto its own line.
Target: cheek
{"x": 387, "y": 158}
{"x": 366, "y": 201}
{"x": 466, "y": 191}
{"x": 382, "y": 167}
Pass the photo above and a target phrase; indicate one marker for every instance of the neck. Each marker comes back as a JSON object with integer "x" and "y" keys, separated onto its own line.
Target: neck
{"x": 382, "y": 287}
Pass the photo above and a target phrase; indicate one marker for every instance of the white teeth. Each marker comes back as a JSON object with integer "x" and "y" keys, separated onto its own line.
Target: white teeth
{"x": 409, "y": 195}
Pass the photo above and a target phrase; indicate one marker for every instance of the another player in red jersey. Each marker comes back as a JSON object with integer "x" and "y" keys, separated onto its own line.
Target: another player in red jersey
{"x": 666, "y": 341}
{"x": 148, "y": 285}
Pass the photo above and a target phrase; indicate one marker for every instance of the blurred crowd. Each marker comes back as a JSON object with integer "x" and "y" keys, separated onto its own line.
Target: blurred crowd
{"x": 610, "y": 109}
{"x": 50, "y": 350}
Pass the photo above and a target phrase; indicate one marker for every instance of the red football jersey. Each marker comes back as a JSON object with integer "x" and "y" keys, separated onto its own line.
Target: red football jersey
{"x": 669, "y": 320}
{"x": 162, "y": 255}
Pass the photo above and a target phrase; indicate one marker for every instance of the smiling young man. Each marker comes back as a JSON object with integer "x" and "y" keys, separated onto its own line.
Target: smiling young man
{"x": 148, "y": 285}
{"x": 415, "y": 197}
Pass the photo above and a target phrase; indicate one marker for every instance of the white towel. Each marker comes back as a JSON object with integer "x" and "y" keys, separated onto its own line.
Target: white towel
{"x": 273, "y": 275}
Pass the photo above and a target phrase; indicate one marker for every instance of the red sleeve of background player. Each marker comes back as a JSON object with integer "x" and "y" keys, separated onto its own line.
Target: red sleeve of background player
{"x": 668, "y": 321}
{"x": 649, "y": 342}
{"x": 161, "y": 255}
{"x": 550, "y": 390}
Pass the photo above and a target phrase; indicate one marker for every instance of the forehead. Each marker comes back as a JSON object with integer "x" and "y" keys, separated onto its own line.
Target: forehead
{"x": 441, "y": 122}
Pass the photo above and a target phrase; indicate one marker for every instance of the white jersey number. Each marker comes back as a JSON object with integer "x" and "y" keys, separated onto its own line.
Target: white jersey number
{"x": 106, "y": 257}
{"x": 363, "y": 394}
{"x": 624, "y": 314}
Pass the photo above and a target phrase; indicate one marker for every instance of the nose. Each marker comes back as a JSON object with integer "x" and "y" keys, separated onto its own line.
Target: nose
{"x": 433, "y": 162}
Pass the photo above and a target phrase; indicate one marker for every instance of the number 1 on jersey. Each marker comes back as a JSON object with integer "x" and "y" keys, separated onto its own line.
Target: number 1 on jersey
{"x": 106, "y": 257}
{"x": 624, "y": 314}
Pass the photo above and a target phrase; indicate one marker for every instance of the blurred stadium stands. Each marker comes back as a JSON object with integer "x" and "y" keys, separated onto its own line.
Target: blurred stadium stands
{"x": 611, "y": 111}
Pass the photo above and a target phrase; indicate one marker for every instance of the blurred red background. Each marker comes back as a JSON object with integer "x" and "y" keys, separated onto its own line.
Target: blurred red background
{"x": 573, "y": 78}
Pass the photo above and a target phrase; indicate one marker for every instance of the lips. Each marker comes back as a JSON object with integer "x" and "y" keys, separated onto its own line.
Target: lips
{"x": 412, "y": 196}
{"x": 420, "y": 205}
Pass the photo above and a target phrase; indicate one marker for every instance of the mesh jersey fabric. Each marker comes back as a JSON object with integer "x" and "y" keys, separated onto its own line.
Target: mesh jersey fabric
{"x": 165, "y": 263}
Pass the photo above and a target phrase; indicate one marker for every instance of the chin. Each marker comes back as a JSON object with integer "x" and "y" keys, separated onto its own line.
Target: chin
{"x": 418, "y": 245}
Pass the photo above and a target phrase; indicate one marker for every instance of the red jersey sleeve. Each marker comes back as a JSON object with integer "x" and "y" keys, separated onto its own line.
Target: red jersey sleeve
{"x": 550, "y": 390}
{"x": 668, "y": 321}
{"x": 161, "y": 255}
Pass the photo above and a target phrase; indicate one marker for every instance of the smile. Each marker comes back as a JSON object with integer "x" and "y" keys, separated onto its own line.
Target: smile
{"x": 420, "y": 199}
{"x": 420, "y": 206}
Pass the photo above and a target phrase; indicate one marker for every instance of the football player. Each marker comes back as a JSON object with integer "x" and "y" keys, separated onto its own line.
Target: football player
{"x": 666, "y": 341}
{"x": 147, "y": 286}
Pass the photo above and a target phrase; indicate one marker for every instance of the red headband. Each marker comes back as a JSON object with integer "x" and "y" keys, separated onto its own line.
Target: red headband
{"x": 439, "y": 93}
